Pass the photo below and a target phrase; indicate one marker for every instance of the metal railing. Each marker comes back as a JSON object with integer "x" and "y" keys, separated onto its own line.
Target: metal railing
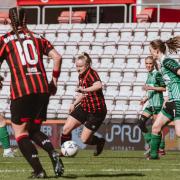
{"x": 84, "y": 6}
{"x": 156, "y": 5}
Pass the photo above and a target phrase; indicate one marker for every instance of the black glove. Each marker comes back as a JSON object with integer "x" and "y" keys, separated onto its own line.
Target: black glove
{"x": 1, "y": 79}
{"x": 52, "y": 88}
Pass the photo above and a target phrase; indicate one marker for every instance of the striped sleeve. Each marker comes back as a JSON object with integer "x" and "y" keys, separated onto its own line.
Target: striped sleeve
{"x": 47, "y": 46}
{"x": 2, "y": 52}
{"x": 96, "y": 76}
{"x": 160, "y": 80}
{"x": 172, "y": 65}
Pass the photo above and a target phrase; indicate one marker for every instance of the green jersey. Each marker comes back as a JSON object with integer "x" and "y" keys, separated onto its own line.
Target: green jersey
{"x": 169, "y": 69}
{"x": 155, "y": 79}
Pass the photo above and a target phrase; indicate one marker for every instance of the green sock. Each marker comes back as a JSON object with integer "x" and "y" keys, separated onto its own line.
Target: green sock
{"x": 162, "y": 144}
{"x": 4, "y": 138}
{"x": 147, "y": 137}
{"x": 155, "y": 142}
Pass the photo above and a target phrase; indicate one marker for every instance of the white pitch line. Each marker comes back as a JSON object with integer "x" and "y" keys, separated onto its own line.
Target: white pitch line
{"x": 86, "y": 170}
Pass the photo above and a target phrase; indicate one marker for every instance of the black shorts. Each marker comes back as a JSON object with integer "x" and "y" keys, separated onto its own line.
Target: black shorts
{"x": 31, "y": 108}
{"x": 91, "y": 121}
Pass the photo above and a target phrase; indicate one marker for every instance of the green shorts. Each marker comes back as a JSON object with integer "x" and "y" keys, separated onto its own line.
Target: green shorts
{"x": 152, "y": 110}
{"x": 171, "y": 110}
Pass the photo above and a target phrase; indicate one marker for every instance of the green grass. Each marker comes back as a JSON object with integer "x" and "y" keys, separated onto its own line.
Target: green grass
{"x": 111, "y": 165}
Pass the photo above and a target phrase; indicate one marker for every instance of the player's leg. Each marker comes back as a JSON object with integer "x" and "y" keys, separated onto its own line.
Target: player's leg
{"x": 20, "y": 118}
{"x": 146, "y": 130}
{"x": 74, "y": 120}
{"x": 70, "y": 124}
{"x": 92, "y": 124}
{"x": 161, "y": 120}
{"x": 39, "y": 113}
{"x": 4, "y": 138}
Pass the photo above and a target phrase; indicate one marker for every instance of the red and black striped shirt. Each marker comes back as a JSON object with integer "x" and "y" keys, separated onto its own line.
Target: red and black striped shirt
{"x": 25, "y": 61}
{"x": 94, "y": 101}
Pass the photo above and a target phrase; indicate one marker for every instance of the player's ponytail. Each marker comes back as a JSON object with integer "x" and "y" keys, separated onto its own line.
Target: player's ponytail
{"x": 15, "y": 22}
{"x": 170, "y": 46}
{"x": 86, "y": 57}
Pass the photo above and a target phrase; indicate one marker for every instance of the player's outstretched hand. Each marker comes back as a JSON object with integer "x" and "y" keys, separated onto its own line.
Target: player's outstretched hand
{"x": 1, "y": 79}
{"x": 52, "y": 88}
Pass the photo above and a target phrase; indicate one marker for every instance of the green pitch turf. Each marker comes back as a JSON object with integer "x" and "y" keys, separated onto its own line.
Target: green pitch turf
{"x": 111, "y": 165}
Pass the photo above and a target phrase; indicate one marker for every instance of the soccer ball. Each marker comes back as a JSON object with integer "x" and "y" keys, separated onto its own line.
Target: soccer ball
{"x": 69, "y": 148}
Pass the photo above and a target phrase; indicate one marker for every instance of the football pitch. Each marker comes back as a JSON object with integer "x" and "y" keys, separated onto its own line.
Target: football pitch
{"x": 110, "y": 165}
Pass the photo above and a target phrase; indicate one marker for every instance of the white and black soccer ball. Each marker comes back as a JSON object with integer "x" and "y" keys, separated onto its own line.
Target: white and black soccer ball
{"x": 69, "y": 148}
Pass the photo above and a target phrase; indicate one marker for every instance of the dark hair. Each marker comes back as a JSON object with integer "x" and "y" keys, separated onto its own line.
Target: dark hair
{"x": 18, "y": 19}
{"x": 87, "y": 58}
{"x": 171, "y": 45}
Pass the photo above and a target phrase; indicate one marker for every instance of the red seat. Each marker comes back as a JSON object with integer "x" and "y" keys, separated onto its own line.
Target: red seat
{"x": 4, "y": 18}
{"x": 77, "y": 17}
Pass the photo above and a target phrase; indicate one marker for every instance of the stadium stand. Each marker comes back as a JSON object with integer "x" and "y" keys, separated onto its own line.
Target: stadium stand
{"x": 117, "y": 51}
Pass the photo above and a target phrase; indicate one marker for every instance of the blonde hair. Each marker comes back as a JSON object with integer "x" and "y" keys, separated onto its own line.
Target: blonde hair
{"x": 86, "y": 57}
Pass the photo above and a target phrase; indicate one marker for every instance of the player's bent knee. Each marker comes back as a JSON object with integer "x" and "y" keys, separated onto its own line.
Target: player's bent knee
{"x": 142, "y": 123}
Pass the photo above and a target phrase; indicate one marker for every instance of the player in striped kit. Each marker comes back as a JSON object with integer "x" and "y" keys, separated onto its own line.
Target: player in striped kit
{"x": 154, "y": 87}
{"x": 89, "y": 108}
{"x": 23, "y": 51}
{"x": 170, "y": 70}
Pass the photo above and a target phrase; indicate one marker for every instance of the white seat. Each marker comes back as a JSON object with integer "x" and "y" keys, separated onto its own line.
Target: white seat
{"x": 62, "y": 36}
{"x": 129, "y": 76}
{"x": 152, "y": 34}
{"x": 95, "y": 62}
{"x": 110, "y": 48}
{"x": 103, "y": 75}
{"x": 60, "y": 48}
{"x": 117, "y": 25}
{"x": 126, "y": 35}
{"x": 75, "y": 35}
{"x": 121, "y": 106}
{"x": 100, "y": 35}
{"x": 177, "y": 31}
{"x": 104, "y": 26}
{"x": 138, "y": 91}
{"x": 91, "y": 26}
{"x": 66, "y": 26}
{"x": 130, "y": 25}
{"x": 70, "y": 90}
{"x": 50, "y": 36}
{"x": 97, "y": 48}
{"x": 123, "y": 48}
{"x": 125, "y": 91}
{"x": 166, "y": 34}
{"x": 156, "y": 25}
{"x": 74, "y": 76}
{"x": 106, "y": 62}
{"x": 132, "y": 63}
{"x": 84, "y": 47}
{"x": 141, "y": 77}
{"x": 41, "y": 26}
{"x": 79, "y": 26}
{"x": 53, "y": 26}
{"x": 136, "y": 48}
{"x": 65, "y": 104}
{"x": 169, "y": 25}
{"x": 112, "y": 90}
{"x": 119, "y": 63}
{"x": 64, "y": 76}
{"x": 139, "y": 35}
{"x": 134, "y": 106}
{"x": 88, "y": 35}
{"x": 113, "y": 35}
{"x": 67, "y": 63}
{"x": 71, "y": 48}
{"x": 115, "y": 76}
{"x": 143, "y": 25}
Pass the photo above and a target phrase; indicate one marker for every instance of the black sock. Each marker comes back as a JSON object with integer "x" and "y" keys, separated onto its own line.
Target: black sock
{"x": 93, "y": 140}
{"x": 43, "y": 141}
{"x": 65, "y": 138}
{"x": 29, "y": 152}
